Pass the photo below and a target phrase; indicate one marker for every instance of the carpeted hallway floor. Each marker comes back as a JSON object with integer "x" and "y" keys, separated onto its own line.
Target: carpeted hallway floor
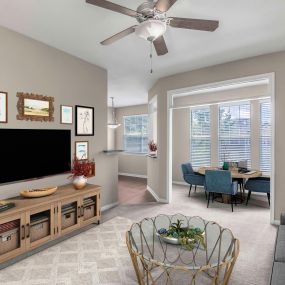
{"x": 99, "y": 255}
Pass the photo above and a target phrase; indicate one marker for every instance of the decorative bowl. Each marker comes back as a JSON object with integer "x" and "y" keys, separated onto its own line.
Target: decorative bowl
{"x": 41, "y": 192}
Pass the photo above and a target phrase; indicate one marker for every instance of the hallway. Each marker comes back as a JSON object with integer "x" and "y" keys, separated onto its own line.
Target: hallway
{"x": 133, "y": 190}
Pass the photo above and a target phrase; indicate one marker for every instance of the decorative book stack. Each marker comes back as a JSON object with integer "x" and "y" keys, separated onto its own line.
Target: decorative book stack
{"x": 4, "y": 205}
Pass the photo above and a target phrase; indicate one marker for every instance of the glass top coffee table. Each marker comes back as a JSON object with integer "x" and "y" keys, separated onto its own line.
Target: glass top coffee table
{"x": 160, "y": 260}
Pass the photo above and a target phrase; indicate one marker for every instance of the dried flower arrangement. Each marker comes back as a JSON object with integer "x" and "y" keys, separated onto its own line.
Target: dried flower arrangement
{"x": 152, "y": 146}
{"x": 81, "y": 167}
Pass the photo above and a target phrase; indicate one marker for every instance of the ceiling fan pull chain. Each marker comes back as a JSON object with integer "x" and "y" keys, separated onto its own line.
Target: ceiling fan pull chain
{"x": 151, "y": 70}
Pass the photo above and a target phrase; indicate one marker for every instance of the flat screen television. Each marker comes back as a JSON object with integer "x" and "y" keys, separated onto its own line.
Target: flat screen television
{"x": 28, "y": 154}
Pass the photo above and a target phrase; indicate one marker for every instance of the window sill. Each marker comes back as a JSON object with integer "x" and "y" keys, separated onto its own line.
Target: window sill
{"x": 151, "y": 156}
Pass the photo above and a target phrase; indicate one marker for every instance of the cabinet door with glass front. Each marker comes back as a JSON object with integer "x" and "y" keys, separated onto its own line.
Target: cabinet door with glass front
{"x": 69, "y": 213}
{"x": 40, "y": 226}
{"x": 90, "y": 209}
{"x": 12, "y": 236}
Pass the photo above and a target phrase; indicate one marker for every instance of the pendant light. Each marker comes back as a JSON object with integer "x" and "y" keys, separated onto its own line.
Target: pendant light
{"x": 114, "y": 124}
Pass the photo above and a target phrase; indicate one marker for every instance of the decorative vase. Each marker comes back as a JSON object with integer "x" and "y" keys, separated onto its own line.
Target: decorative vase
{"x": 79, "y": 182}
{"x": 225, "y": 165}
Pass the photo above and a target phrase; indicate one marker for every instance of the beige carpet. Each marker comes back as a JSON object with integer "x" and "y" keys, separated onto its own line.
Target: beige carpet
{"x": 97, "y": 256}
{"x": 250, "y": 224}
{"x": 100, "y": 256}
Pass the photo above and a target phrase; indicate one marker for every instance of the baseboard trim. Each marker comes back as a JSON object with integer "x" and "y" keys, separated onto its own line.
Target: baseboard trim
{"x": 155, "y": 196}
{"x": 109, "y": 206}
{"x": 180, "y": 183}
{"x": 132, "y": 175}
{"x": 276, "y": 222}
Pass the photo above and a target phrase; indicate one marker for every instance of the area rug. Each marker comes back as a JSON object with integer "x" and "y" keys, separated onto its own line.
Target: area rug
{"x": 97, "y": 256}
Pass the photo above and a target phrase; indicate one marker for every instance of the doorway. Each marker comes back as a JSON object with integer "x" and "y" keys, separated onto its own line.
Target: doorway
{"x": 175, "y": 96}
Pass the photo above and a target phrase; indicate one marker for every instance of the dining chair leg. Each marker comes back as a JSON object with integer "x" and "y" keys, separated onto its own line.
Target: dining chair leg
{"x": 206, "y": 196}
{"x": 190, "y": 190}
{"x": 209, "y": 195}
{"x": 232, "y": 203}
{"x": 195, "y": 188}
{"x": 248, "y": 197}
{"x": 213, "y": 197}
{"x": 268, "y": 197}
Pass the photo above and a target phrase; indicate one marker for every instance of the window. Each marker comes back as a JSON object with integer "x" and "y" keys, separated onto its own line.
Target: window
{"x": 136, "y": 133}
{"x": 265, "y": 136}
{"x": 234, "y": 132}
{"x": 200, "y": 146}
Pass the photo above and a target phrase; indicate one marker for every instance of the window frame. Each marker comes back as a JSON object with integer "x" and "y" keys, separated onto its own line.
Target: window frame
{"x": 235, "y": 103}
{"x": 191, "y": 131}
{"x": 124, "y": 133}
{"x": 262, "y": 101}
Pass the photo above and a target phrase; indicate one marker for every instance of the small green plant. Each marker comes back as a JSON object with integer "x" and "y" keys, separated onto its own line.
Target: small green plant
{"x": 188, "y": 237}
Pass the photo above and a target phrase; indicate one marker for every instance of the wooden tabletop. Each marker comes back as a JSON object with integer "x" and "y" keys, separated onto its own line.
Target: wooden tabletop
{"x": 235, "y": 173}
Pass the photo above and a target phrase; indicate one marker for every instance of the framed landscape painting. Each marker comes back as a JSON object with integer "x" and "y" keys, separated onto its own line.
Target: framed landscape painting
{"x": 81, "y": 150}
{"x": 66, "y": 114}
{"x": 84, "y": 121}
{"x": 3, "y": 107}
{"x": 35, "y": 107}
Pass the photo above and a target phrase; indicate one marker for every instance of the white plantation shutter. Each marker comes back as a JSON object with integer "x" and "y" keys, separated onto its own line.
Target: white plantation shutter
{"x": 265, "y": 136}
{"x": 136, "y": 134}
{"x": 200, "y": 146}
{"x": 234, "y": 132}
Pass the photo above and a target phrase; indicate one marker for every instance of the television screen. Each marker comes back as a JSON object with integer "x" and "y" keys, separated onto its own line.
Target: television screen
{"x": 27, "y": 154}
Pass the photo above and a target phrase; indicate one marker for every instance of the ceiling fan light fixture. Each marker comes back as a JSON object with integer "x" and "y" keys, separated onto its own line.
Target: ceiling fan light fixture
{"x": 151, "y": 29}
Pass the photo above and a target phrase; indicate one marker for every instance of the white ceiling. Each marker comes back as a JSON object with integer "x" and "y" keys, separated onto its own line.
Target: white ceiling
{"x": 247, "y": 28}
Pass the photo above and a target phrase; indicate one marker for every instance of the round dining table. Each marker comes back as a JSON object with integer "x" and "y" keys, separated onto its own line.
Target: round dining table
{"x": 235, "y": 175}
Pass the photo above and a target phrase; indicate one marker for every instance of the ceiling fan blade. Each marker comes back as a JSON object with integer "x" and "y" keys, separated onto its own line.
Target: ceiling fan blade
{"x": 160, "y": 46}
{"x": 194, "y": 24}
{"x": 113, "y": 7}
{"x": 164, "y": 5}
{"x": 119, "y": 35}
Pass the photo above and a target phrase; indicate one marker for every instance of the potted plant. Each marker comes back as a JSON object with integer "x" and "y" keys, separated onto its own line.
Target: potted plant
{"x": 152, "y": 147}
{"x": 80, "y": 170}
{"x": 188, "y": 237}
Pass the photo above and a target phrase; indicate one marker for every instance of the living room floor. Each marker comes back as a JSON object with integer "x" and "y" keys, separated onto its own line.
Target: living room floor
{"x": 250, "y": 224}
{"x": 99, "y": 255}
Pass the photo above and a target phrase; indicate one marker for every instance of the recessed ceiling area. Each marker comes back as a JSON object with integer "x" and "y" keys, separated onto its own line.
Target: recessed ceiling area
{"x": 247, "y": 28}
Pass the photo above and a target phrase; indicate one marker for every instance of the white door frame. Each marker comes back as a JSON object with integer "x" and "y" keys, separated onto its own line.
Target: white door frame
{"x": 171, "y": 94}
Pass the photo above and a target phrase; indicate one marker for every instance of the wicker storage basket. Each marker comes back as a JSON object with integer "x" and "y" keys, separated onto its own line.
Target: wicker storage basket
{"x": 89, "y": 209}
{"x": 9, "y": 241}
{"x": 39, "y": 229}
{"x": 89, "y": 212}
{"x": 68, "y": 218}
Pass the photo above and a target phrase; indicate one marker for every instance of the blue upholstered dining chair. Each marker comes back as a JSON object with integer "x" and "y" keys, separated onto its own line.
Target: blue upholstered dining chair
{"x": 220, "y": 181}
{"x": 260, "y": 185}
{"x": 192, "y": 177}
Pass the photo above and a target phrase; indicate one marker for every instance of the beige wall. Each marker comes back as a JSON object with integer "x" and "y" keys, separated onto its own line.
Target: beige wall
{"x": 134, "y": 164}
{"x": 29, "y": 66}
{"x": 247, "y": 67}
{"x": 181, "y": 124}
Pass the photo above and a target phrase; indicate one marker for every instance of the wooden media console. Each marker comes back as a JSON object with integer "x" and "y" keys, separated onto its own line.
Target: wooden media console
{"x": 37, "y": 221}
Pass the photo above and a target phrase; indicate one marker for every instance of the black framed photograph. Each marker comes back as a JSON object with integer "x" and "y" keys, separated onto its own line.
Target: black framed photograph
{"x": 81, "y": 150}
{"x": 84, "y": 121}
{"x": 66, "y": 114}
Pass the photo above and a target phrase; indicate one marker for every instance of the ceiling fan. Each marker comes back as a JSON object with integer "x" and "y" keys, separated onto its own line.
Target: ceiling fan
{"x": 153, "y": 22}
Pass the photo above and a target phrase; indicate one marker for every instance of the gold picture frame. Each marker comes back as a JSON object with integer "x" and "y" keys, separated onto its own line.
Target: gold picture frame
{"x": 35, "y": 107}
